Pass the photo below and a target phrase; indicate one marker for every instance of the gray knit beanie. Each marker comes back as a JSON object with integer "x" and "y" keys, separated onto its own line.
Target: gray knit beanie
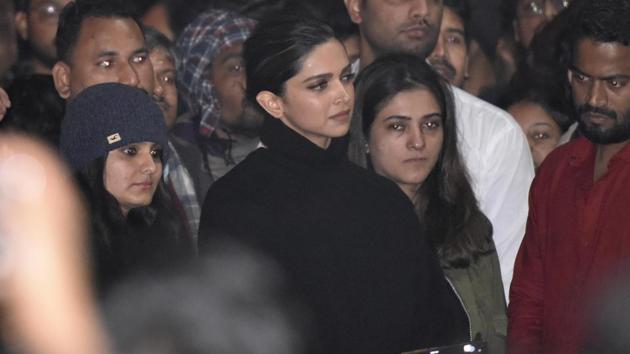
{"x": 108, "y": 116}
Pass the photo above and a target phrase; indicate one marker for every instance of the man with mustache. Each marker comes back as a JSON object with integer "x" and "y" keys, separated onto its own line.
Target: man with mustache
{"x": 493, "y": 146}
{"x": 184, "y": 171}
{"x": 450, "y": 55}
{"x": 578, "y": 231}
{"x": 99, "y": 41}
{"x": 211, "y": 80}
{"x": 36, "y": 24}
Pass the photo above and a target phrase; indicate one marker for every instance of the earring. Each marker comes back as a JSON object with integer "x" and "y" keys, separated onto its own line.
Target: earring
{"x": 367, "y": 149}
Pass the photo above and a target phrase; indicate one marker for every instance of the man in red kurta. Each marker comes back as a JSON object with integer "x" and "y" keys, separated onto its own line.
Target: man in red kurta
{"x": 578, "y": 230}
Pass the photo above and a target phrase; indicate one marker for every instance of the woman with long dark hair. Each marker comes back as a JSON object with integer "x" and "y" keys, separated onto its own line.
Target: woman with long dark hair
{"x": 112, "y": 137}
{"x": 347, "y": 238}
{"x": 404, "y": 129}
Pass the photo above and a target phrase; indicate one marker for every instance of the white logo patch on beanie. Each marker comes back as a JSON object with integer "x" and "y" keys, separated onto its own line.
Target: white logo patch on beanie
{"x": 114, "y": 138}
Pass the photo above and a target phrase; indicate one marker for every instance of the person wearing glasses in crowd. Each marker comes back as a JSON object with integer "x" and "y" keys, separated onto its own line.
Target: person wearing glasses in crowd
{"x": 37, "y": 107}
{"x": 36, "y": 24}
{"x": 530, "y": 16}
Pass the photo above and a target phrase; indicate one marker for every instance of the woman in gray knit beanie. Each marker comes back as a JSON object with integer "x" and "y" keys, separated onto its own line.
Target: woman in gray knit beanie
{"x": 112, "y": 136}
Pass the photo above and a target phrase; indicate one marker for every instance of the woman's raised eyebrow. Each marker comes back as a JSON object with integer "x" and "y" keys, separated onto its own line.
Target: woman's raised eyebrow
{"x": 318, "y": 77}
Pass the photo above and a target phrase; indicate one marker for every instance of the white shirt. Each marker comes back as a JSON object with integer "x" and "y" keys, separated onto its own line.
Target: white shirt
{"x": 501, "y": 169}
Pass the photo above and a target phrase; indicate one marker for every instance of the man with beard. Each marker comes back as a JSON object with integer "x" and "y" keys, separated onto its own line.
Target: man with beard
{"x": 36, "y": 23}
{"x": 184, "y": 171}
{"x": 450, "y": 55}
{"x": 211, "y": 79}
{"x": 493, "y": 146}
{"x": 578, "y": 231}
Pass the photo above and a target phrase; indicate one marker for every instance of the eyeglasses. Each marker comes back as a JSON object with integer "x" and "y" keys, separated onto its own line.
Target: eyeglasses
{"x": 536, "y": 8}
{"x": 49, "y": 11}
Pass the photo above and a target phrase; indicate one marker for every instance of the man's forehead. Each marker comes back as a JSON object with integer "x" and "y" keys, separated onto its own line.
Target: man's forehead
{"x": 60, "y": 3}
{"x": 231, "y": 51}
{"x": 161, "y": 55}
{"x": 109, "y": 22}
{"x": 104, "y": 28}
{"x": 612, "y": 58}
{"x": 451, "y": 19}
{"x": 434, "y": 3}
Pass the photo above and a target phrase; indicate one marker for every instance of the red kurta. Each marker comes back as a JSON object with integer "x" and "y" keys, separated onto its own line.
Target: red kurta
{"x": 578, "y": 231}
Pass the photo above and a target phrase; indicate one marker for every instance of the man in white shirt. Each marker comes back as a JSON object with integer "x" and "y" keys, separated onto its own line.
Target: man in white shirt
{"x": 492, "y": 144}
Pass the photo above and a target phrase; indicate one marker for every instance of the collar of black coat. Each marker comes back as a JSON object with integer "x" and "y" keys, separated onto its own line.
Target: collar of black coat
{"x": 282, "y": 140}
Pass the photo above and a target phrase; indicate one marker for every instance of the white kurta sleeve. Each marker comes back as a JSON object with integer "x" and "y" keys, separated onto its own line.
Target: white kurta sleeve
{"x": 501, "y": 169}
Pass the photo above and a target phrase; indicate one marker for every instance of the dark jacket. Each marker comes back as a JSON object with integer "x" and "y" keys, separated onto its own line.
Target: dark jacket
{"x": 349, "y": 241}
{"x": 184, "y": 138}
{"x": 150, "y": 240}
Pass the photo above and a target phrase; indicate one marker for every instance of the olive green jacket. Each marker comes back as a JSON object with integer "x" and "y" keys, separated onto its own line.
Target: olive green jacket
{"x": 481, "y": 290}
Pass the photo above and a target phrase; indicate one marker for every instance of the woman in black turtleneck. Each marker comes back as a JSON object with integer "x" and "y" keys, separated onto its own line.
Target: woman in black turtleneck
{"x": 348, "y": 239}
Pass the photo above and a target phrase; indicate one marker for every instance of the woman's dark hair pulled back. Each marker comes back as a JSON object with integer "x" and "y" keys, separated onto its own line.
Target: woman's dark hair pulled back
{"x": 275, "y": 51}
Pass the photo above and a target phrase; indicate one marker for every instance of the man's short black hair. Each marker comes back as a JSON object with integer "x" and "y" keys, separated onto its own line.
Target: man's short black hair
{"x": 459, "y": 7}
{"x": 155, "y": 39}
{"x": 462, "y": 10}
{"x": 604, "y": 21}
{"x": 76, "y": 12}
{"x": 22, "y": 5}
{"x": 141, "y": 7}
{"x": 508, "y": 12}
{"x": 333, "y": 13}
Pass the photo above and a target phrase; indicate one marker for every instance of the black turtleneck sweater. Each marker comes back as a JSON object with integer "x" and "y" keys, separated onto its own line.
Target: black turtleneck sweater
{"x": 349, "y": 241}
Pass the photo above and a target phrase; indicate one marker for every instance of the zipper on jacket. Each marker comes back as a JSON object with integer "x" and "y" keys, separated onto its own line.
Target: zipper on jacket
{"x": 463, "y": 306}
